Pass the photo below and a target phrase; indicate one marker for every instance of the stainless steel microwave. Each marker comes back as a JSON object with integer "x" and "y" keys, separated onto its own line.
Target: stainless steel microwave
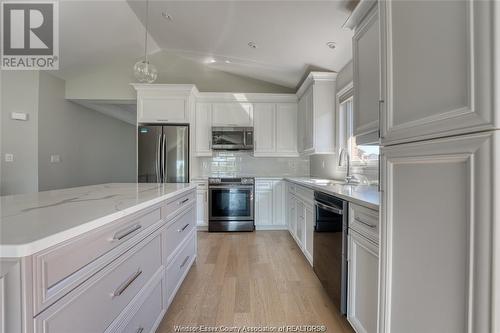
{"x": 232, "y": 138}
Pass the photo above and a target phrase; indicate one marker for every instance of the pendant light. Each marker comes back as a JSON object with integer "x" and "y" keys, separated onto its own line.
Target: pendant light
{"x": 144, "y": 71}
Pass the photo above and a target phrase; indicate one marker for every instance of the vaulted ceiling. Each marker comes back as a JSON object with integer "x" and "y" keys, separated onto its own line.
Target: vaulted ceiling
{"x": 290, "y": 36}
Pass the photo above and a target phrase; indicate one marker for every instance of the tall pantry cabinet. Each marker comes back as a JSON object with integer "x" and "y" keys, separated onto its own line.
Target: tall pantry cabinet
{"x": 439, "y": 131}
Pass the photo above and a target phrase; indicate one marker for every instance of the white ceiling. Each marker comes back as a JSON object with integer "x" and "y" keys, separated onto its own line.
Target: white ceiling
{"x": 291, "y": 35}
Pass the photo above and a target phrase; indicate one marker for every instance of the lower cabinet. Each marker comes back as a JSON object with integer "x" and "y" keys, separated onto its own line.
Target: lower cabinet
{"x": 300, "y": 216}
{"x": 362, "y": 284}
{"x": 128, "y": 289}
{"x": 363, "y": 267}
{"x": 201, "y": 203}
{"x": 269, "y": 204}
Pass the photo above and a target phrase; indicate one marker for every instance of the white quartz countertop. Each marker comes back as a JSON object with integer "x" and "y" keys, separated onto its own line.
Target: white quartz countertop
{"x": 364, "y": 195}
{"x": 33, "y": 222}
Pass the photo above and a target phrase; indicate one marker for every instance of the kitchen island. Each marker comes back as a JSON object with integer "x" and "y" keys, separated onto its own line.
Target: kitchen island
{"x": 101, "y": 258}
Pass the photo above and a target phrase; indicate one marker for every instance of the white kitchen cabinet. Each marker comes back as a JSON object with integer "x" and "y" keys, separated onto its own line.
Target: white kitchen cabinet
{"x": 291, "y": 213}
{"x": 201, "y": 204}
{"x": 309, "y": 231}
{"x": 263, "y": 207}
{"x": 452, "y": 89}
{"x": 264, "y": 128}
{"x": 363, "y": 269}
{"x": 275, "y": 130}
{"x": 232, "y": 114}
{"x": 438, "y": 235}
{"x": 164, "y": 103}
{"x": 316, "y": 119}
{"x": 286, "y": 129}
{"x": 362, "y": 299}
{"x": 269, "y": 204}
{"x": 301, "y": 223}
{"x": 203, "y": 129}
{"x": 366, "y": 78}
{"x": 10, "y": 296}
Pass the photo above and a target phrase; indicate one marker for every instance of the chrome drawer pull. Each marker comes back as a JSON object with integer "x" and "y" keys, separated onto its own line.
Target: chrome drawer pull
{"x": 124, "y": 233}
{"x": 184, "y": 262}
{"x": 373, "y": 226}
{"x": 183, "y": 228}
{"x": 127, "y": 283}
{"x": 140, "y": 330}
{"x": 183, "y": 201}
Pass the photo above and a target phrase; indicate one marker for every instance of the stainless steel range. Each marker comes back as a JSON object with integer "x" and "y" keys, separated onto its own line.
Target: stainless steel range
{"x": 231, "y": 204}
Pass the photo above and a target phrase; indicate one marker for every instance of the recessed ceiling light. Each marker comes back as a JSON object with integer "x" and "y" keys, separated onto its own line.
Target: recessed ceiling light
{"x": 252, "y": 45}
{"x": 211, "y": 61}
{"x": 331, "y": 45}
{"x": 227, "y": 61}
{"x": 167, "y": 16}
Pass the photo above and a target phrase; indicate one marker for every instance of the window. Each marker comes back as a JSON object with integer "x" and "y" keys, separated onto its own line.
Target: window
{"x": 360, "y": 155}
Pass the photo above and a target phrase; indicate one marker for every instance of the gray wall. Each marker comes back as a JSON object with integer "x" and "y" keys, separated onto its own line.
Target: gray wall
{"x": 112, "y": 81}
{"x": 93, "y": 148}
{"x": 19, "y": 93}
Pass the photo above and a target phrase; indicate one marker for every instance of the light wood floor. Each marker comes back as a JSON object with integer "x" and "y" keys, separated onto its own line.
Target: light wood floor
{"x": 253, "y": 279}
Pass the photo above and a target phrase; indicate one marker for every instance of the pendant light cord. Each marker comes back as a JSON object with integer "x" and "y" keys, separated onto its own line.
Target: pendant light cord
{"x": 146, "y": 34}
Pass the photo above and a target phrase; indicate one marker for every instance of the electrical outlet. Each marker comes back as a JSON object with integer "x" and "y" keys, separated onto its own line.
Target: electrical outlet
{"x": 55, "y": 158}
{"x": 9, "y": 157}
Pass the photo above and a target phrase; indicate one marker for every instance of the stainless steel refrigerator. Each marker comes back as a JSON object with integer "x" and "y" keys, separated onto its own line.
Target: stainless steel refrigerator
{"x": 163, "y": 154}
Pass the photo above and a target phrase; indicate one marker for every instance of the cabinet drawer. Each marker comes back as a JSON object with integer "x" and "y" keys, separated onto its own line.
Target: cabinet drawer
{"x": 179, "y": 202}
{"x": 179, "y": 229}
{"x": 93, "y": 306}
{"x": 55, "y": 269}
{"x": 365, "y": 221}
{"x": 148, "y": 315}
{"x": 180, "y": 265}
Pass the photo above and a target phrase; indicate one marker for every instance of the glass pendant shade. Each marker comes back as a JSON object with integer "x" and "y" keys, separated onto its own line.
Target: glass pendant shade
{"x": 145, "y": 72}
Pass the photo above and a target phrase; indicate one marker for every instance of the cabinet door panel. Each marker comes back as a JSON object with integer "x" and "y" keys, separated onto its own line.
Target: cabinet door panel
{"x": 172, "y": 110}
{"x": 309, "y": 232}
{"x": 286, "y": 128}
{"x": 363, "y": 284}
{"x": 201, "y": 208}
{"x": 438, "y": 75}
{"x": 232, "y": 114}
{"x": 203, "y": 126}
{"x": 436, "y": 235}
{"x": 264, "y": 128}
{"x": 264, "y": 207}
{"x": 309, "y": 120}
{"x": 366, "y": 80}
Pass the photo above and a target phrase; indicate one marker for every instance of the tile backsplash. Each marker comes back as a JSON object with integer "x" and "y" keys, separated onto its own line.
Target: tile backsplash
{"x": 238, "y": 163}
{"x": 326, "y": 166}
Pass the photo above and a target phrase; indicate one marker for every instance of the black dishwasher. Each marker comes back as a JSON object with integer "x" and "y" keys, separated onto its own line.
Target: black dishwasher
{"x": 330, "y": 247}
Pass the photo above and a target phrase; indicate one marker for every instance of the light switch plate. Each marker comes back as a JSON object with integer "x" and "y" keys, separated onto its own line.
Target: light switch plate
{"x": 9, "y": 157}
{"x": 19, "y": 116}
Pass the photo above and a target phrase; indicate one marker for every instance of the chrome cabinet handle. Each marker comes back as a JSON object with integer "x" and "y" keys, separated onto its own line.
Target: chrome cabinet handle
{"x": 329, "y": 208}
{"x": 127, "y": 283}
{"x": 183, "y": 228}
{"x": 373, "y": 226}
{"x": 184, "y": 262}
{"x": 124, "y": 233}
{"x": 183, "y": 201}
{"x": 140, "y": 330}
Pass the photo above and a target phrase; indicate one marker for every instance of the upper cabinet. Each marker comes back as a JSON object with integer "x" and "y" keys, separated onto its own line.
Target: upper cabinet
{"x": 164, "y": 103}
{"x": 366, "y": 78}
{"x": 316, "y": 119}
{"x": 424, "y": 78}
{"x": 232, "y": 114}
{"x": 275, "y": 129}
{"x": 203, "y": 129}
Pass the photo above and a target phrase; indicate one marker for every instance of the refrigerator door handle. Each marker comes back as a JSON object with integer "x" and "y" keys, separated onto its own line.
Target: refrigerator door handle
{"x": 165, "y": 149}
{"x": 158, "y": 157}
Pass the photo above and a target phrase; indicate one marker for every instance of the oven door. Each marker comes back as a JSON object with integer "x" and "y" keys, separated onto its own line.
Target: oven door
{"x": 231, "y": 203}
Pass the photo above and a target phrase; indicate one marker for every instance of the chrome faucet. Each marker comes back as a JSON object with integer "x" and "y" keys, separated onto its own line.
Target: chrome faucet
{"x": 345, "y": 155}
